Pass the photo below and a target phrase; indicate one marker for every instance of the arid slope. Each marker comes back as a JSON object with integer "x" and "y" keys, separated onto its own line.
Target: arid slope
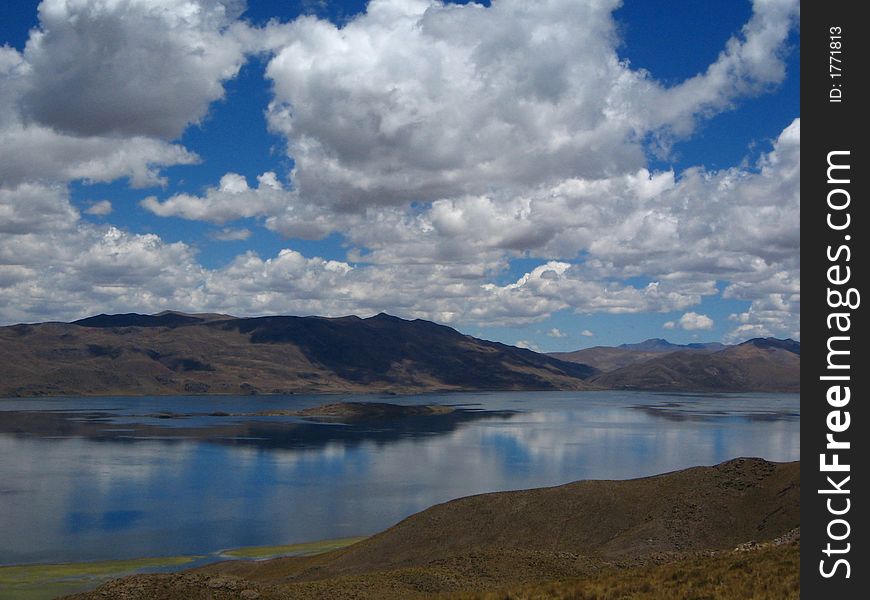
{"x": 488, "y": 542}
{"x": 173, "y": 353}
{"x": 759, "y": 365}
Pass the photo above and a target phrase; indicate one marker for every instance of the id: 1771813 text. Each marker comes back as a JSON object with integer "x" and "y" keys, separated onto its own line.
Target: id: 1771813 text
{"x": 835, "y": 64}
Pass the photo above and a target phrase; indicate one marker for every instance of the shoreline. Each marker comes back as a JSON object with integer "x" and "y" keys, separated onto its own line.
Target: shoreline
{"x": 45, "y": 581}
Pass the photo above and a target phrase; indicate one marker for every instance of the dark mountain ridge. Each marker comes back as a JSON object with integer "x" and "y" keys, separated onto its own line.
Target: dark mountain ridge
{"x": 758, "y": 365}
{"x": 788, "y": 344}
{"x": 609, "y": 358}
{"x": 360, "y": 350}
{"x": 178, "y": 353}
{"x": 172, "y": 353}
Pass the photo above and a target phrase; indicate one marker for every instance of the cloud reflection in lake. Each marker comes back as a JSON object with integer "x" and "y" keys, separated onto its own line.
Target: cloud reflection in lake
{"x": 107, "y": 482}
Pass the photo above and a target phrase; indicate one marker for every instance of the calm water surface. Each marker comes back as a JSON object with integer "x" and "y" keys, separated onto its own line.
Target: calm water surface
{"x": 105, "y": 478}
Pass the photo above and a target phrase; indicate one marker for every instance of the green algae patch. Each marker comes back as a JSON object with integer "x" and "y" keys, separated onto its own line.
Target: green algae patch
{"x": 307, "y": 549}
{"x": 43, "y": 582}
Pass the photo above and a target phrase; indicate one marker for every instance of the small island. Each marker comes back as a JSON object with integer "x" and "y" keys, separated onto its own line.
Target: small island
{"x": 372, "y": 410}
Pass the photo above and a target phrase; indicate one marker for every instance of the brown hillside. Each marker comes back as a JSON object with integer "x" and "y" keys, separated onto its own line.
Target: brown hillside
{"x": 742, "y": 368}
{"x": 173, "y": 353}
{"x": 605, "y": 358}
{"x": 488, "y": 542}
{"x": 698, "y": 508}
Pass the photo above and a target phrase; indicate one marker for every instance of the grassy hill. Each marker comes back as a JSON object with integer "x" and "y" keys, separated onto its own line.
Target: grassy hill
{"x": 572, "y": 537}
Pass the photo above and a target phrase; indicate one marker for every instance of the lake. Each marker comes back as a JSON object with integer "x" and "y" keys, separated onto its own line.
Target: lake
{"x": 108, "y": 478}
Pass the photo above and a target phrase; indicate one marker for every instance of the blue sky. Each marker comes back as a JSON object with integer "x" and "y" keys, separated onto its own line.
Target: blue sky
{"x": 556, "y": 174}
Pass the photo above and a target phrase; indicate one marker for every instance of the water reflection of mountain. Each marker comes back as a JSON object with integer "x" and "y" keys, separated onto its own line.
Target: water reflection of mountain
{"x": 279, "y": 432}
{"x": 673, "y": 411}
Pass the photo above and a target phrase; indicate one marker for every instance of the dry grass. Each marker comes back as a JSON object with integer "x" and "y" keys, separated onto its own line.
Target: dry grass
{"x": 763, "y": 573}
{"x": 769, "y": 573}
{"x": 670, "y": 536}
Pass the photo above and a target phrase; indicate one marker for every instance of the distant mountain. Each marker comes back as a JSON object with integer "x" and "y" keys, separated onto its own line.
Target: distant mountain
{"x": 165, "y": 319}
{"x": 175, "y": 353}
{"x": 651, "y": 345}
{"x": 762, "y": 364}
{"x": 706, "y": 346}
{"x": 788, "y": 345}
{"x": 609, "y": 358}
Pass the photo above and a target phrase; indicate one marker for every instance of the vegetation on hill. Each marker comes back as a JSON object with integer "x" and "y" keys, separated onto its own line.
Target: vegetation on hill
{"x": 670, "y": 534}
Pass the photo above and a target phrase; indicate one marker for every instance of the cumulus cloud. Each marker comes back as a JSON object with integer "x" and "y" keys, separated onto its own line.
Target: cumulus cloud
{"x": 99, "y": 208}
{"x": 750, "y": 63}
{"x": 137, "y": 67}
{"x": 103, "y": 86}
{"x": 228, "y": 234}
{"x": 422, "y": 100}
{"x": 692, "y": 321}
{"x": 32, "y": 209}
{"x": 587, "y": 333}
{"x": 555, "y": 332}
{"x": 33, "y": 153}
{"x": 442, "y": 141}
{"x": 527, "y": 345}
{"x": 683, "y": 231}
{"x": 54, "y": 265}
{"x": 282, "y": 209}
{"x": 770, "y": 315}
{"x": 232, "y": 199}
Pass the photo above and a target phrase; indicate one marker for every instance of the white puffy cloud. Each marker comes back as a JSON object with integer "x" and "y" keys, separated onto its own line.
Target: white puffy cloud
{"x": 686, "y": 232}
{"x": 692, "y": 321}
{"x": 683, "y": 232}
{"x": 282, "y": 209}
{"x": 228, "y": 234}
{"x": 556, "y": 285}
{"x": 31, "y": 209}
{"x": 749, "y": 64}
{"x": 128, "y": 67}
{"x": 587, "y": 333}
{"x": 103, "y": 86}
{"x": 54, "y": 265}
{"x": 232, "y": 199}
{"x": 774, "y": 314}
{"x": 442, "y": 141}
{"x": 99, "y": 208}
{"x": 555, "y": 332}
{"x": 33, "y": 153}
{"x": 418, "y": 100}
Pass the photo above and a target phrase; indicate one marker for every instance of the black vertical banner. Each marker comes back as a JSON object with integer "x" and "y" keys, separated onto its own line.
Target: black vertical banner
{"x": 834, "y": 261}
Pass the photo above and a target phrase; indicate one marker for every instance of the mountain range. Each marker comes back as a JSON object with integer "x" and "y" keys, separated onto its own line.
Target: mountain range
{"x": 759, "y": 364}
{"x": 177, "y": 353}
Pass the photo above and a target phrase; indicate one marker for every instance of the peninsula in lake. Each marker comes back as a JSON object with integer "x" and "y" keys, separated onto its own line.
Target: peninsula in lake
{"x": 175, "y": 353}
